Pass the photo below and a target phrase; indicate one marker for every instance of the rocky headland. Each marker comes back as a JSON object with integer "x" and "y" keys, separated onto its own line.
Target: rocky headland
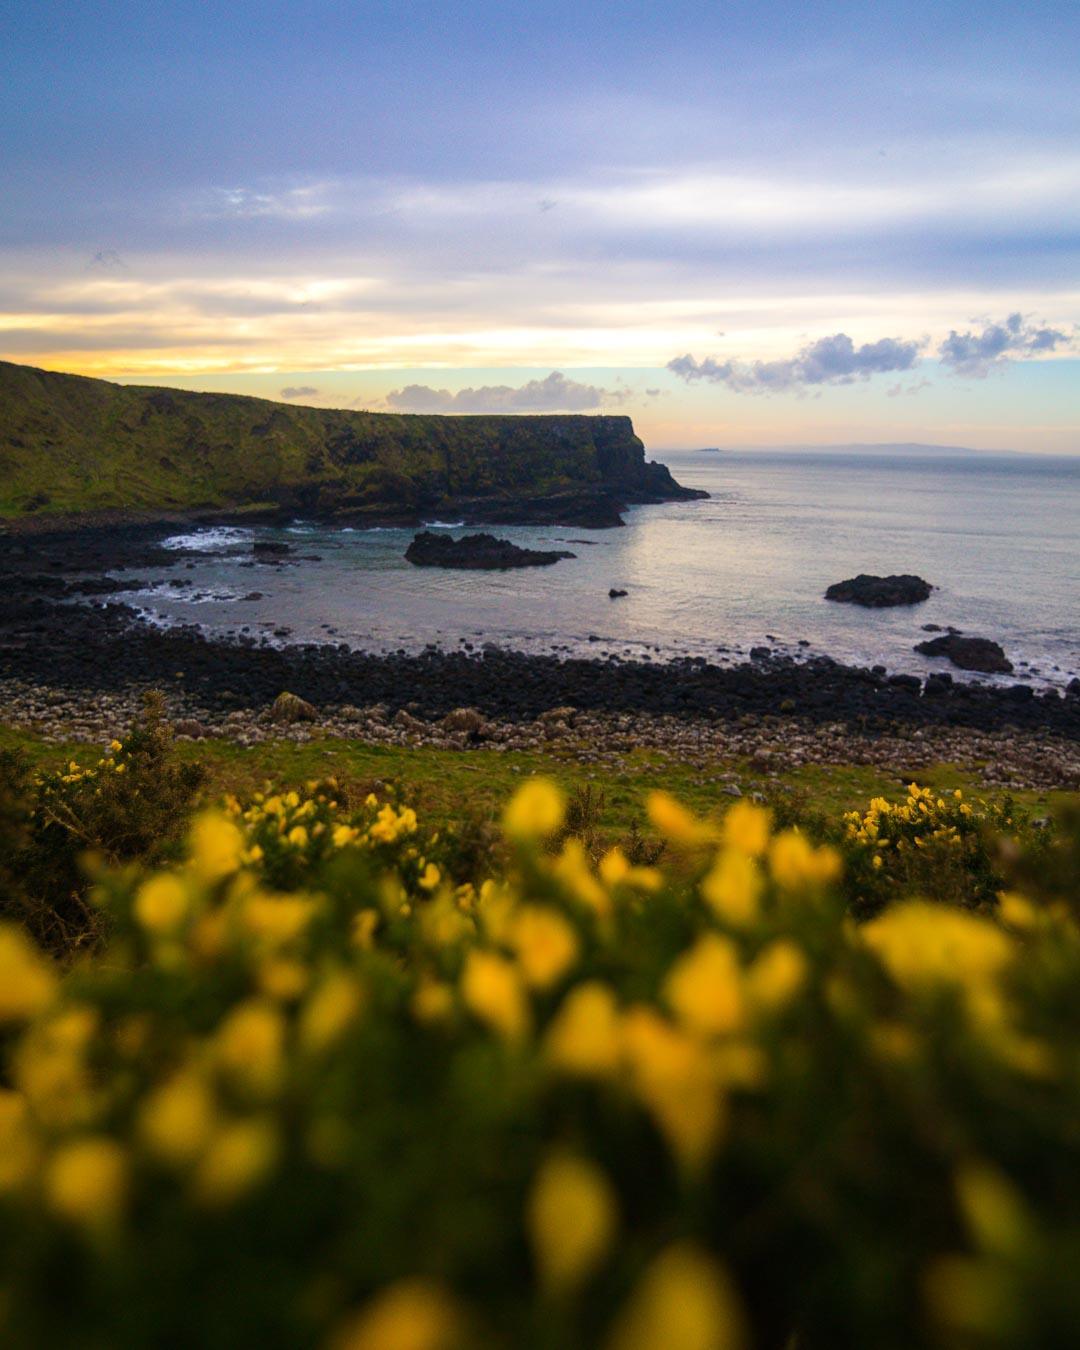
{"x": 74, "y": 450}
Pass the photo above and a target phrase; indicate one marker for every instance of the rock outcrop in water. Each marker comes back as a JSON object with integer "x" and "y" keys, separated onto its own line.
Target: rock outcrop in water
{"x": 969, "y": 653}
{"x": 481, "y": 552}
{"x": 84, "y": 448}
{"x": 880, "y": 592}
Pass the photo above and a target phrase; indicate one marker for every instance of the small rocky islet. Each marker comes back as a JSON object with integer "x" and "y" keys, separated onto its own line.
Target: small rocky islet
{"x": 478, "y": 552}
{"x": 969, "y": 653}
{"x": 874, "y": 592}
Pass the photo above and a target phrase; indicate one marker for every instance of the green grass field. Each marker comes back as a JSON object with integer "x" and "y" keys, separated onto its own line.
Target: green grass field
{"x": 438, "y": 782}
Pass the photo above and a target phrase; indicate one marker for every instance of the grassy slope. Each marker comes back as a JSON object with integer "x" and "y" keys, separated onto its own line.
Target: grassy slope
{"x": 440, "y": 781}
{"x": 72, "y": 444}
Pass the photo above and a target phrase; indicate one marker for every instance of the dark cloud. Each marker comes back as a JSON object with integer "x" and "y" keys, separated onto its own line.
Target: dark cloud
{"x": 554, "y": 393}
{"x": 830, "y": 360}
{"x": 298, "y": 391}
{"x": 977, "y": 352}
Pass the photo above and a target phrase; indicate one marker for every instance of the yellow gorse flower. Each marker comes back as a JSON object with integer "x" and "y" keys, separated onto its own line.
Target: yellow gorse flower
{"x": 546, "y": 944}
{"x": 570, "y": 1218}
{"x": 684, "y": 1301}
{"x": 27, "y": 982}
{"x": 676, "y": 823}
{"x": 492, "y": 990}
{"x": 412, "y": 1314}
{"x": 535, "y": 811}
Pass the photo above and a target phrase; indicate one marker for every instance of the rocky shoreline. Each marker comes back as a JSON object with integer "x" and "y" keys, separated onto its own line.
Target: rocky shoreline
{"x": 769, "y": 746}
{"x": 69, "y": 666}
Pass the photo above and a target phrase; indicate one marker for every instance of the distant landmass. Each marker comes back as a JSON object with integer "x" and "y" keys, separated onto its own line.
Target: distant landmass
{"x": 71, "y": 446}
{"x": 853, "y": 448}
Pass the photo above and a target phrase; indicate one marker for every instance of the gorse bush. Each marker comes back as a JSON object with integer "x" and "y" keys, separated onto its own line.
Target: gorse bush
{"x": 314, "y": 1093}
{"x": 133, "y": 804}
{"x": 938, "y": 845}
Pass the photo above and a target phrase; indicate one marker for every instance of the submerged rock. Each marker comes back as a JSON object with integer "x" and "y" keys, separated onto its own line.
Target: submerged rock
{"x": 969, "y": 653}
{"x": 880, "y": 592}
{"x": 477, "y": 551}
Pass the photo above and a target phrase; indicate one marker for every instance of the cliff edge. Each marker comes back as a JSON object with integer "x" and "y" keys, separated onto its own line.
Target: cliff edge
{"x": 73, "y": 447}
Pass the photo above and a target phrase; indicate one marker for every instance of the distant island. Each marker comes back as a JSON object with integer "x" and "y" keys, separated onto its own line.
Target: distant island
{"x": 78, "y": 448}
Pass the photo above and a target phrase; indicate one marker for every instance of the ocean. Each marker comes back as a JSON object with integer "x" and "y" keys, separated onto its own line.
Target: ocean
{"x": 997, "y": 535}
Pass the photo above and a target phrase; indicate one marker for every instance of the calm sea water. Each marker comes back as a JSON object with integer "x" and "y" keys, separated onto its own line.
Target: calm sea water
{"x": 999, "y": 536}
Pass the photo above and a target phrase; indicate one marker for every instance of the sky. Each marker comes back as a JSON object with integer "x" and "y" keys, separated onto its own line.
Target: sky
{"x": 738, "y": 223}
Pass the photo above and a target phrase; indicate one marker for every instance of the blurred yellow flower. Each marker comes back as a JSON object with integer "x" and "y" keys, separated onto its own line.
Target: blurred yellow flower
{"x": 704, "y": 987}
{"x": 545, "y": 943}
{"x": 676, "y": 823}
{"x": 746, "y": 828}
{"x": 797, "y": 865}
{"x": 332, "y": 1008}
{"x": 733, "y": 888}
{"x": 27, "y": 982}
{"x": 677, "y": 1080}
{"x": 535, "y": 811}
{"x": 412, "y": 1314}
{"x": 776, "y": 976}
{"x": 570, "y": 1218}
{"x": 996, "y": 1215}
{"x": 19, "y": 1149}
{"x": 86, "y": 1181}
{"x": 216, "y": 847}
{"x": 492, "y": 990}
{"x": 236, "y": 1159}
{"x": 162, "y": 904}
{"x": 922, "y": 945}
{"x": 250, "y": 1042}
{"x": 176, "y": 1119}
{"x": 684, "y": 1301}
{"x": 583, "y": 1037}
{"x": 429, "y": 878}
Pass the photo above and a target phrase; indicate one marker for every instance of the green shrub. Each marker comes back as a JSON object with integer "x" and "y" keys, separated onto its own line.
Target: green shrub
{"x": 134, "y": 804}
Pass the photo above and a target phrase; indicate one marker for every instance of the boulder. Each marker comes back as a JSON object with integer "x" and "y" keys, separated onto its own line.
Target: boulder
{"x": 270, "y": 548}
{"x": 467, "y": 720}
{"x": 880, "y": 592}
{"x": 969, "y": 653}
{"x": 290, "y": 708}
{"x": 407, "y": 722}
{"x": 477, "y": 551}
{"x": 189, "y": 726}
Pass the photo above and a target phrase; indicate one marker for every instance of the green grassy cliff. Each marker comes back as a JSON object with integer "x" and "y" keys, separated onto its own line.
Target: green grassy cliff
{"x": 72, "y": 445}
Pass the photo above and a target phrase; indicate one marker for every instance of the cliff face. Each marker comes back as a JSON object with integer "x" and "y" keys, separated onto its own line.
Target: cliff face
{"x": 74, "y": 445}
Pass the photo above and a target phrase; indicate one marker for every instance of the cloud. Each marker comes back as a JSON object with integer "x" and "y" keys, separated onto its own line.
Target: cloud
{"x": 554, "y": 393}
{"x": 298, "y": 391}
{"x": 900, "y": 389}
{"x": 829, "y": 360}
{"x": 977, "y": 353}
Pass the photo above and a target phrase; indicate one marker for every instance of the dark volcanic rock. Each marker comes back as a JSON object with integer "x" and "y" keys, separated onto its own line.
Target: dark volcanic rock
{"x": 479, "y": 551}
{"x": 269, "y": 548}
{"x": 880, "y": 592}
{"x": 969, "y": 653}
